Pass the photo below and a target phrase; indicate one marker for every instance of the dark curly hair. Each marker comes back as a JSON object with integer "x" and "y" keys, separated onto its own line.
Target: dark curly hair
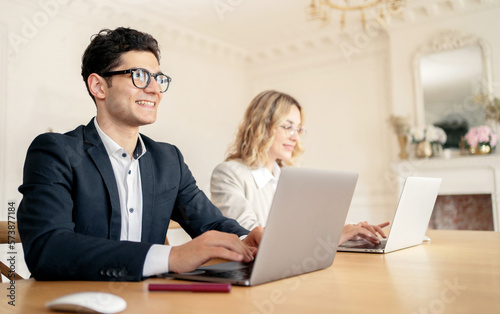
{"x": 106, "y": 48}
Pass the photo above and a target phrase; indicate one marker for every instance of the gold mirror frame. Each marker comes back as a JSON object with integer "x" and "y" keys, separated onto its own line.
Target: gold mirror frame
{"x": 445, "y": 41}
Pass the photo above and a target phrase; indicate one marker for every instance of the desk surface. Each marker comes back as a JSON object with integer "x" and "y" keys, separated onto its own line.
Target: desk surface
{"x": 457, "y": 272}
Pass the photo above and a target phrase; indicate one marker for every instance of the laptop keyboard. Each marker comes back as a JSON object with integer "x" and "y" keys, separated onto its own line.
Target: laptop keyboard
{"x": 363, "y": 244}
{"x": 240, "y": 273}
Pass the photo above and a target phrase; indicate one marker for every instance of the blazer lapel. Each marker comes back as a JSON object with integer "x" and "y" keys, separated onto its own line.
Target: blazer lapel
{"x": 100, "y": 157}
{"x": 147, "y": 182}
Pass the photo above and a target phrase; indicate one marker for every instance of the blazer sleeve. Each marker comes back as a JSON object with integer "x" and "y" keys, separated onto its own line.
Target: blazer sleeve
{"x": 227, "y": 187}
{"x": 195, "y": 212}
{"x": 53, "y": 250}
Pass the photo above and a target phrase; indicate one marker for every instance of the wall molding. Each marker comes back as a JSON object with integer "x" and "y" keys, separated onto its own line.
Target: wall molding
{"x": 3, "y": 113}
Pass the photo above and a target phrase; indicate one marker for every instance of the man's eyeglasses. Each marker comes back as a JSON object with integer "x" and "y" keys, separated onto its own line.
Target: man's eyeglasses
{"x": 142, "y": 77}
{"x": 291, "y": 131}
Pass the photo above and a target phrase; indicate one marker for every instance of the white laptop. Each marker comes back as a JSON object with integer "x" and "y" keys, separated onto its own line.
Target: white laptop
{"x": 302, "y": 232}
{"x": 410, "y": 221}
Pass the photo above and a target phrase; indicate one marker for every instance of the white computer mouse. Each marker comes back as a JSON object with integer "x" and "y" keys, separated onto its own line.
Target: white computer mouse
{"x": 88, "y": 302}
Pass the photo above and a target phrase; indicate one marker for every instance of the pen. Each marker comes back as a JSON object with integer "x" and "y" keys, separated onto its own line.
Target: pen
{"x": 197, "y": 287}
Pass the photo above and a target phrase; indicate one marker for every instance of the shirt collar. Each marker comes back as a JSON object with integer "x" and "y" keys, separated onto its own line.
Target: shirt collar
{"x": 262, "y": 175}
{"x": 112, "y": 147}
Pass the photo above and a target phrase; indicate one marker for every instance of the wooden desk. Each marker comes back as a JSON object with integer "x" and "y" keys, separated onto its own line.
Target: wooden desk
{"x": 458, "y": 272}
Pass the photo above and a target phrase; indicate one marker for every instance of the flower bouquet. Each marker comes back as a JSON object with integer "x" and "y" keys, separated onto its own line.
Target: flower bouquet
{"x": 429, "y": 133}
{"x": 481, "y": 140}
{"x": 429, "y": 140}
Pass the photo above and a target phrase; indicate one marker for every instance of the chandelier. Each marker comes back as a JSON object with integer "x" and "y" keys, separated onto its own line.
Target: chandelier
{"x": 321, "y": 9}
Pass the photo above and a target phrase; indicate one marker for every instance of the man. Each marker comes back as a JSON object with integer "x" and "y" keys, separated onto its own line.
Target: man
{"x": 97, "y": 201}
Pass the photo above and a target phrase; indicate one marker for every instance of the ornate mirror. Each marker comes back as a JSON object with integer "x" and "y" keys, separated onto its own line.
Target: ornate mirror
{"x": 450, "y": 70}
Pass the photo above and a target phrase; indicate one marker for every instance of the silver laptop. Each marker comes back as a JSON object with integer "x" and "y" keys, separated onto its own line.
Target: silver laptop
{"x": 302, "y": 232}
{"x": 410, "y": 221}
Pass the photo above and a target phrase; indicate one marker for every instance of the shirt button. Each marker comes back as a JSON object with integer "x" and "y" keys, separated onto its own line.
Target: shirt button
{"x": 131, "y": 210}
{"x": 129, "y": 172}
{"x": 124, "y": 155}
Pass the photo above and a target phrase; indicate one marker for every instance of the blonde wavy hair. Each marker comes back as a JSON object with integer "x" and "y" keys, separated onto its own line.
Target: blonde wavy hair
{"x": 266, "y": 112}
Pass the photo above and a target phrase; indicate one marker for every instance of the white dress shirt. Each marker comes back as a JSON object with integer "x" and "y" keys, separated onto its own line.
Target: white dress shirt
{"x": 128, "y": 179}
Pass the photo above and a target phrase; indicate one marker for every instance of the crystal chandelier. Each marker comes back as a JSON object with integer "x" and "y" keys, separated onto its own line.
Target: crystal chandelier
{"x": 321, "y": 9}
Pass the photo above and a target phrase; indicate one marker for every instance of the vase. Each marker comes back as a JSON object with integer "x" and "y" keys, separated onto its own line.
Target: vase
{"x": 480, "y": 149}
{"x": 424, "y": 149}
{"x": 402, "y": 140}
{"x": 437, "y": 149}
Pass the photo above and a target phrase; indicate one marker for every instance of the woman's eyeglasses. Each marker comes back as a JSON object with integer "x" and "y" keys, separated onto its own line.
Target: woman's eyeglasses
{"x": 291, "y": 130}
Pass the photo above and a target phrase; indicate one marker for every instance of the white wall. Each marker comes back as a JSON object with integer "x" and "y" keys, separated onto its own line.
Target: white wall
{"x": 346, "y": 101}
{"x": 406, "y": 41}
{"x": 44, "y": 90}
{"x": 200, "y": 113}
{"x": 345, "y": 104}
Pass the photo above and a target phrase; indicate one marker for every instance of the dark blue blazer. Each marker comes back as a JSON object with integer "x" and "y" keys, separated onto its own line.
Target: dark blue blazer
{"x": 69, "y": 218}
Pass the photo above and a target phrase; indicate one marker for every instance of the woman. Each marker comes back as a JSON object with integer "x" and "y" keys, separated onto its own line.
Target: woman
{"x": 268, "y": 138}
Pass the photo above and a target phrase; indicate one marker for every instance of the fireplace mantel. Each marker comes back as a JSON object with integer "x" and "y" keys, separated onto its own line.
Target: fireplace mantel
{"x": 461, "y": 175}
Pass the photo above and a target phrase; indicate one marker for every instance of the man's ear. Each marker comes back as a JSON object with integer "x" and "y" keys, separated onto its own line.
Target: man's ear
{"x": 97, "y": 86}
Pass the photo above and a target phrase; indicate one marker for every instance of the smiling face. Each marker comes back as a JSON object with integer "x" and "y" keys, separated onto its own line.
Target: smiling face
{"x": 122, "y": 104}
{"x": 284, "y": 144}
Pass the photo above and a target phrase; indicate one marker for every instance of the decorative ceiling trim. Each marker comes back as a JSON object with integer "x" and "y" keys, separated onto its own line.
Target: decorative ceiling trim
{"x": 424, "y": 10}
{"x": 449, "y": 39}
{"x": 172, "y": 33}
{"x": 416, "y": 11}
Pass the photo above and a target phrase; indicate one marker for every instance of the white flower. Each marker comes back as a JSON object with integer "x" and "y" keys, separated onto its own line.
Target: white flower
{"x": 418, "y": 133}
{"x": 428, "y": 133}
{"x": 435, "y": 134}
